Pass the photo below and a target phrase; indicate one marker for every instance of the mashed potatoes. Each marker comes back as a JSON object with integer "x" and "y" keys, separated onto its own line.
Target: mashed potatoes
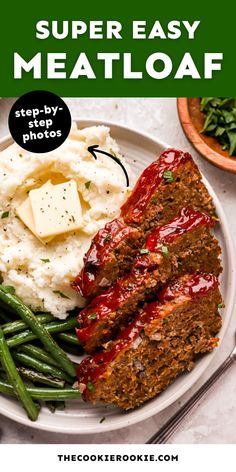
{"x": 41, "y": 273}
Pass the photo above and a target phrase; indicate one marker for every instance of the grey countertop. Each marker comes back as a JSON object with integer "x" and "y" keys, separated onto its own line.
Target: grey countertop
{"x": 215, "y": 418}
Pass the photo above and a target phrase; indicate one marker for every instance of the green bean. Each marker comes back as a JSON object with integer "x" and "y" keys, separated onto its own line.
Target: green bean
{"x": 41, "y": 393}
{"x": 18, "y": 325}
{"x": 27, "y": 336}
{"x": 39, "y": 330}
{"x": 16, "y": 380}
{"x": 38, "y": 377}
{"x": 21, "y": 338}
{"x": 37, "y": 353}
{"x": 8, "y": 289}
{"x": 70, "y": 338}
{"x": 40, "y": 366}
{"x": 65, "y": 325}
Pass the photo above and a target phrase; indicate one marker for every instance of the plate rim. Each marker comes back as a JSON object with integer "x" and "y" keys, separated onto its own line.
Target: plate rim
{"x": 138, "y": 415}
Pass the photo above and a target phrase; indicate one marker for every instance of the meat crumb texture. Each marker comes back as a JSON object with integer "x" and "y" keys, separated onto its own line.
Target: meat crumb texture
{"x": 172, "y": 333}
{"x": 151, "y": 278}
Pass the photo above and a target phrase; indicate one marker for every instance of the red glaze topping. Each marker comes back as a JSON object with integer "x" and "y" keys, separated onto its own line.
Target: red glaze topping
{"x": 93, "y": 366}
{"x": 191, "y": 286}
{"x": 195, "y": 285}
{"x": 152, "y": 176}
{"x": 99, "y": 252}
{"x": 122, "y": 290}
{"x": 107, "y": 303}
{"x": 186, "y": 220}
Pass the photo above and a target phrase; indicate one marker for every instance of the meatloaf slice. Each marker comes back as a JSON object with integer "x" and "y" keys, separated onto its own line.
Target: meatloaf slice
{"x": 110, "y": 255}
{"x": 162, "y": 341}
{"x": 183, "y": 245}
{"x": 168, "y": 184}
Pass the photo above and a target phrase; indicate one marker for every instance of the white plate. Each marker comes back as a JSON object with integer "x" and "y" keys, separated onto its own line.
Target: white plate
{"x": 140, "y": 150}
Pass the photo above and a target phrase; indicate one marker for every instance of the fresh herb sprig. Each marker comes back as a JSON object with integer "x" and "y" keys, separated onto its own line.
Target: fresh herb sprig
{"x": 220, "y": 121}
{"x": 168, "y": 176}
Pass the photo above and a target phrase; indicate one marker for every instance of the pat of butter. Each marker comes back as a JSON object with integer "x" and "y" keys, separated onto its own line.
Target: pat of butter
{"x": 56, "y": 209}
{"x": 25, "y": 214}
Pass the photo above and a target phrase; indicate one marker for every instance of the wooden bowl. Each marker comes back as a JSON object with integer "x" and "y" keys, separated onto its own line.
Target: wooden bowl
{"x": 192, "y": 120}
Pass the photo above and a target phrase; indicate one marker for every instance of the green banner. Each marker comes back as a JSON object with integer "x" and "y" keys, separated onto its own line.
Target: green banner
{"x": 122, "y": 49}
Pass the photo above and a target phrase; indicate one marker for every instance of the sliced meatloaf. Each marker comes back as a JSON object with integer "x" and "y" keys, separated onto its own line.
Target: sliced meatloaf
{"x": 168, "y": 184}
{"x": 111, "y": 254}
{"x": 183, "y": 245}
{"x": 162, "y": 341}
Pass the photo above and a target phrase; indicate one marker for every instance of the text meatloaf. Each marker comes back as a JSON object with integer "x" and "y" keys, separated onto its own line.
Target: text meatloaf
{"x": 162, "y": 341}
{"x": 168, "y": 184}
{"x": 182, "y": 246}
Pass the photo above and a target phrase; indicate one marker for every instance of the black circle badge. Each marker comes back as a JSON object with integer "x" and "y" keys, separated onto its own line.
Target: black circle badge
{"x": 39, "y": 121}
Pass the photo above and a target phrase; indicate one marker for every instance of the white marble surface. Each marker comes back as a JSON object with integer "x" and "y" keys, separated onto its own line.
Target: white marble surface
{"x": 215, "y": 418}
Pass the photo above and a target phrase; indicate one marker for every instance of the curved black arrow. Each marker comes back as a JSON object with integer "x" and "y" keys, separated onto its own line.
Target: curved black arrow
{"x": 93, "y": 149}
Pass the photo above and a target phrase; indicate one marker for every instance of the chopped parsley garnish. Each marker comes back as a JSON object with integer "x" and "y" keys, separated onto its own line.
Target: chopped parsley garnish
{"x": 222, "y": 304}
{"x": 45, "y": 260}
{"x": 107, "y": 238}
{"x": 5, "y": 214}
{"x": 62, "y": 295}
{"x": 87, "y": 184}
{"x": 92, "y": 316}
{"x": 102, "y": 419}
{"x": 164, "y": 250}
{"x": 90, "y": 386}
{"x": 154, "y": 200}
{"x": 113, "y": 154}
{"x": 143, "y": 251}
{"x": 168, "y": 176}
